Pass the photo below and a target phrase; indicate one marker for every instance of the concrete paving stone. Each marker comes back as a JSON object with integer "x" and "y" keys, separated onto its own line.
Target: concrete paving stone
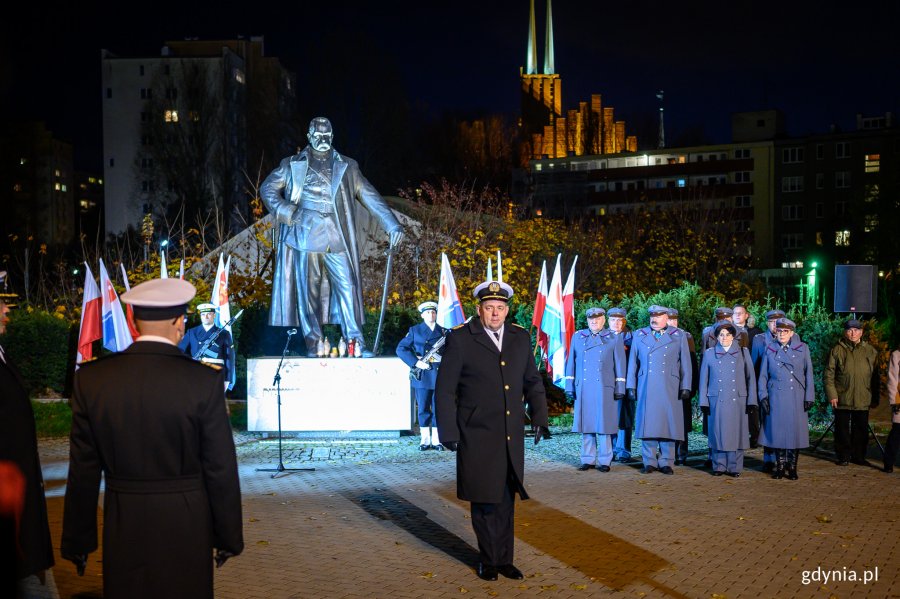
{"x": 382, "y": 520}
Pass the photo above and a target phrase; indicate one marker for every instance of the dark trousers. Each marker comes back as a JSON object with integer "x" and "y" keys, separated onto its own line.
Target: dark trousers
{"x": 851, "y": 434}
{"x": 891, "y": 447}
{"x": 425, "y": 405}
{"x": 681, "y": 447}
{"x": 493, "y": 524}
{"x": 753, "y": 422}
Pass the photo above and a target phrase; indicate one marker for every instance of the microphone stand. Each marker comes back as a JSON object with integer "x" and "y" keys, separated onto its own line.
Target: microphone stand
{"x": 277, "y": 382}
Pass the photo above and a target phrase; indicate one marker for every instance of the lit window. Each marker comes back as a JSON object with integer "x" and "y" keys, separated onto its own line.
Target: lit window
{"x": 681, "y": 183}
{"x": 870, "y": 223}
{"x": 84, "y": 204}
{"x": 194, "y": 116}
{"x": 64, "y": 187}
{"x": 842, "y": 238}
{"x": 873, "y": 163}
{"x": 818, "y": 238}
{"x": 56, "y": 186}
{"x": 22, "y": 161}
{"x": 171, "y": 116}
{"x": 17, "y": 187}
{"x": 56, "y": 172}
{"x": 92, "y": 180}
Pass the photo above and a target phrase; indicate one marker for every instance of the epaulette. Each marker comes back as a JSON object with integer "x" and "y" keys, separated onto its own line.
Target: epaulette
{"x": 518, "y": 325}
{"x": 215, "y": 367}
{"x": 459, "y": 326}
{"x": 643, "y": 332}
{"x": 675, "y": 332}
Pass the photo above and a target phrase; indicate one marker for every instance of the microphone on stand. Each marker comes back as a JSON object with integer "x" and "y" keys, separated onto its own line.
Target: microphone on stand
{"x": 291, "y": 332}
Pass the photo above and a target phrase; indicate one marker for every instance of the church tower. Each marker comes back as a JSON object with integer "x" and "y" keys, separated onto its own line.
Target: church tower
{"x": 541, "y": 95}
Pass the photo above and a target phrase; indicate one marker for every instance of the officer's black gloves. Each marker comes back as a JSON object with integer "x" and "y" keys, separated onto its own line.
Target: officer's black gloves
{"x": 618, "y": 396}
{"x": 764, "y": 406}
{"x": 705, "y": 410}
{"x": 684, "y": 394}
{"x": 807, "y": 405}
{"x": 450, "y": 445}
{"x": 539, "y": 432}
{"x": 750, "y": 410}
{"x": 80, "y": 561}
{"x": 631, "y": 394}
{"x": 222, "y": 556}
{"x": 895, "y": 409}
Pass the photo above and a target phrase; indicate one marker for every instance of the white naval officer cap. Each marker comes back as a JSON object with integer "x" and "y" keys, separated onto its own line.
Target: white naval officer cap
{"x": 207, "y": 307}
{"x": 425, "y": 306}
{"x": 160, "y": 299}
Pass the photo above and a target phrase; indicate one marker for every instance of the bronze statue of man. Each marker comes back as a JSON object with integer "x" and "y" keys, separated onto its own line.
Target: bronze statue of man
{"x": 313, "y": 196}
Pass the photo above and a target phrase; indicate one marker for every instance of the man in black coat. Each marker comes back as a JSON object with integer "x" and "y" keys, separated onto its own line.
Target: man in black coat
{"x": 18, "y": 448}
{"x": 487, "y": 376}
{"x": 153, "y": 422}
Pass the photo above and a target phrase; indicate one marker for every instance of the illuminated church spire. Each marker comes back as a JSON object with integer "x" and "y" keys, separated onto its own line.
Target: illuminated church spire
{"x": 548, "y": 48}
{"x": 531, "y": 59}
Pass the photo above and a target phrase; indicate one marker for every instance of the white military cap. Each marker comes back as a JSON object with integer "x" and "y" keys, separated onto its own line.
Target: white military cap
{"x": 160, "y": 299}
{"x": 427, "y": 306}
{"x": 207, "y": 308}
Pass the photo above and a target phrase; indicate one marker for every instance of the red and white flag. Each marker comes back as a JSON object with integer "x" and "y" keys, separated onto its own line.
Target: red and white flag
{"x": 89, "y": 329}
{"x": 568, "y": 298}
{"x": 540, "y": 303}
{"x": 220, "y": 293}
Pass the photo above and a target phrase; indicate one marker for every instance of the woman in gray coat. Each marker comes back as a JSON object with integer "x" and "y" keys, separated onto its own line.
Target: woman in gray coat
{"x": 727, "y": 395}
{"x": 786, "y": 393}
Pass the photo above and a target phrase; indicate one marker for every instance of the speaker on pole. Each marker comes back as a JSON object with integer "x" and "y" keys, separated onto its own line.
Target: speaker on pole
{"x": 855, "y": 288}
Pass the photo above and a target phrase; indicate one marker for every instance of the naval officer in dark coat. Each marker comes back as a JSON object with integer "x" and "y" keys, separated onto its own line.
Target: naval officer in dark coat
{"x": 153, "y": 423}
{"x": 412, "y": 350}
{"x": 487, "y": 376}
{"x": 595, "y": 378}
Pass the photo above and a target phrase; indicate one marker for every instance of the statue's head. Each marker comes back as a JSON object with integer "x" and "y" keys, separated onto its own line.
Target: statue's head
{"x": 320, "y": 134}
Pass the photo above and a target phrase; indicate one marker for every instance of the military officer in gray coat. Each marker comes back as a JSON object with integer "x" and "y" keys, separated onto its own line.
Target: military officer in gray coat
{"x": 786, "y": 393}
{"x": 595, "y": 377}
{"x": 659, "y": 376}
{"x": 727, "y": 396}
{"x": 757, "y": 350}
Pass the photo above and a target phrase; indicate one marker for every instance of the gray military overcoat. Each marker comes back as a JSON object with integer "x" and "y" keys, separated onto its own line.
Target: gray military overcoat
{"x": 786, "y": 378}
{"x": 595, "y": 372}
{"x": 727, "y": 387}
{"x": 659, "y": 369}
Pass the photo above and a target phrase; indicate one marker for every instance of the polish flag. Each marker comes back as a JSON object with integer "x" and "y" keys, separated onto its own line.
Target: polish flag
{"x": 89, "y": 329}
{"x": 568, "y": 298}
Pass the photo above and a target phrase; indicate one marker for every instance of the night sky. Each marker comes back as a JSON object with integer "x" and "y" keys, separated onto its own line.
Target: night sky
{"x": 821, "y": 63}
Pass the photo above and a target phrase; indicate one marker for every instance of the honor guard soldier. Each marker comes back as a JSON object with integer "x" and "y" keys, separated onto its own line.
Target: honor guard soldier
{"x": 152, "y": 423}
{"x": 486, "y": 379}
{"x": 218, "y": 352}
{"x": 595, "y": 377}
{"x": 414, "y": 350}
{"x": 659, "y": 376}
{"x": 618, "y": 325}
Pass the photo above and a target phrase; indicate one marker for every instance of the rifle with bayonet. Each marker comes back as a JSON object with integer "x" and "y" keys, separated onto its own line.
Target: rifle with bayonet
{"x": 415, "y": 372}
{"x": 212, "y": 338}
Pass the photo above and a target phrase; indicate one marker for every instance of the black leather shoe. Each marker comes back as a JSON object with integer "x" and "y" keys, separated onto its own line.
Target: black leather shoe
{"x": 667, "y": 470}
{"x": 707, "y": 463}
{"x": 888, "y": 469}
{"x": 603, "y": 468}
{"x": 584, "y": 467}
{"x": 648, "y": 469}
{"x": 510, "y": 571}
{"x": 424, "y": 447}
{"x": 768, "y": 466}
{"x": 733, "y": 474}
{"x": 438, "y": 447}
{"x": 486, "y": 572}
{"x": 717, "y": 473}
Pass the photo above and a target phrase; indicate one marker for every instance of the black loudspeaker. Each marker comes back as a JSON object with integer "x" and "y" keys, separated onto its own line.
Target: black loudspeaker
{"x": 855, "y": 288}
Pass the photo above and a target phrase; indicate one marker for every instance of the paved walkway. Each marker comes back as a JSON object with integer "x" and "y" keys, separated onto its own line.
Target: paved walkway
{"x": 382, "y": 520}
